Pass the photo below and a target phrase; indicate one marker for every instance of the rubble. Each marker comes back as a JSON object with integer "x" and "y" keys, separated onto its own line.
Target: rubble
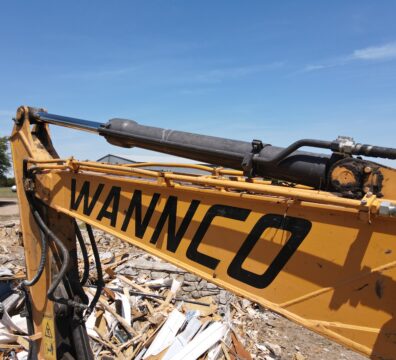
{"x": 153, "y": 310}
{"x": 275, "y": 349}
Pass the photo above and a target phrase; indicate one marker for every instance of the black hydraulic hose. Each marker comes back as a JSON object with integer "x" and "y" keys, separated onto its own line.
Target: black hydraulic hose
{"x": 45, "y": 232}
{"x": 64, "y": 251}
{"x": 281, "y": 155}
{"x": 32, "y": 354}
{"x": 376, "y": 151}
{"x": 65, "y": 257}
{"x": 359, "y": 149}
{"x": 44, "y": 246}
{"x": 65, "y": 263}
{"x": 84, "y": 253}
{"x": 43, "y": 259}
{"x": 100, "y": 282}
{"x": 48, "y": 233}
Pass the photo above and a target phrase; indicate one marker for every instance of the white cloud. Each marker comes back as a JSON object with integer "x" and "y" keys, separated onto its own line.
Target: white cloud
{"x": 100, "y": 73}
{"x": 310, "y": 68}
{"x": 210, "y": 76}
{"x": 7, "y": 113}
{"x": 218, "y": 75}
{"x": 383, "y": 52}
{"x": 197, "y": 91}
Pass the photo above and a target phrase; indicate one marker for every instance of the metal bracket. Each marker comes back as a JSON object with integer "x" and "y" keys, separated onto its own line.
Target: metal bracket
{"x": 247, "y": 162}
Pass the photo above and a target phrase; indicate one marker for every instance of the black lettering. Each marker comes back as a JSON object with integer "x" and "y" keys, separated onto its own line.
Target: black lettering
{"x": 299, "y": 229}
{"x": 136, "y": 206}
{"x": 84, "y": 193}
{"x": 112, "y": 198}
{"x": 229, "y": 212}
{"x": 169, "y": 214}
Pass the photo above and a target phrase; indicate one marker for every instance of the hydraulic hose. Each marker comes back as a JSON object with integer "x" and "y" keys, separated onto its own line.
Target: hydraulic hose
{"x": 44, "y": 247}
{"x": 84, "y": 253}
{"x": 65, "y": 255}
{"x": 100, "y": 282}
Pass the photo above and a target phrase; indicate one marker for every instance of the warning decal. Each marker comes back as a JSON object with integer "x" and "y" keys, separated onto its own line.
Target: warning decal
{"x": 49, "y": 338}
{"x": 48, "y": 332}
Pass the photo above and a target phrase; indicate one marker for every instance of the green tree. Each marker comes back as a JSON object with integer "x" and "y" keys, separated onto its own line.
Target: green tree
{"x": 5, "y": 162}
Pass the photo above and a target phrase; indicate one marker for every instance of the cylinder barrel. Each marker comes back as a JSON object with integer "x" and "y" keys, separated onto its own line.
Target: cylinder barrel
{"x": 300, "y": 167}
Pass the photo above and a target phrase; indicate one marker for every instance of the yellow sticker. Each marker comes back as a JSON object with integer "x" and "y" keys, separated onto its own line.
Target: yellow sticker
{"x": 49, "y": 338}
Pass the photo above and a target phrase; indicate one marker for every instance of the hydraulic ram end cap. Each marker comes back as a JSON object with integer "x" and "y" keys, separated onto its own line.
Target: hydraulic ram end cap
{"x": 31, "y": 112}
{"x": 116, "y": 131}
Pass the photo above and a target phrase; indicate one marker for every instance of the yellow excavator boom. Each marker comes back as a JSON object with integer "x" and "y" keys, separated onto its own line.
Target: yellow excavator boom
{"x": 320, "y": 250}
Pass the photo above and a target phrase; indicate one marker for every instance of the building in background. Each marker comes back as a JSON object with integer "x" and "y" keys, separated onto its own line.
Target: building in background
{"x": 115, "y": 159}
{"x": 126, "y": 159}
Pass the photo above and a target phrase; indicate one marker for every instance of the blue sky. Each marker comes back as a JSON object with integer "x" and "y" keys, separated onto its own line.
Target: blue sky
{"x": 278, "y": 71}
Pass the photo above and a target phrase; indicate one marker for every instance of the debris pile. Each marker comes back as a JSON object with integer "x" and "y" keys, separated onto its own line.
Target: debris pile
{"x": 150, "y": 309}
{"x": 147, "y": 327}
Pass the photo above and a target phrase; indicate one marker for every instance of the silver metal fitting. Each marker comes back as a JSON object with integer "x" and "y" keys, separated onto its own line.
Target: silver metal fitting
{"x": 346, "y": 144}
{"x": 387, "y": 209}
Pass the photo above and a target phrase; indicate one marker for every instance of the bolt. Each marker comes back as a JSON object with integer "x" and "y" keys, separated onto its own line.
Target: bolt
{"x": 363, "y": 202}
{"x": 368, "y": 169}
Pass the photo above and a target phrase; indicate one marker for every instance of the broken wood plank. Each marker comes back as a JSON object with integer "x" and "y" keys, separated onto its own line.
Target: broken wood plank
{"x": 239, "y": 349}
{"x": 118, "y": 317}
{"x": 138, "y": 287}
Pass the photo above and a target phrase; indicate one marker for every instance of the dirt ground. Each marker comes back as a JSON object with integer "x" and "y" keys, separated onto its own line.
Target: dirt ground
{"x": 265, "y": 334}
{"x": 8, "y": 208}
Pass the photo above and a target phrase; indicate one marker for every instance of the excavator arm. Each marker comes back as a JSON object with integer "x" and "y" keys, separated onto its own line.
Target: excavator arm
{"x": 310, "y": 236}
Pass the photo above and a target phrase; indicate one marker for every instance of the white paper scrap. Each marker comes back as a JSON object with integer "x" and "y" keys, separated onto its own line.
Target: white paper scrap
{"x": 126, "y": 307}
{"x": 183, "y": 338}
{"x": 167, "y": 333}
{"x": 202, "y": 342}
